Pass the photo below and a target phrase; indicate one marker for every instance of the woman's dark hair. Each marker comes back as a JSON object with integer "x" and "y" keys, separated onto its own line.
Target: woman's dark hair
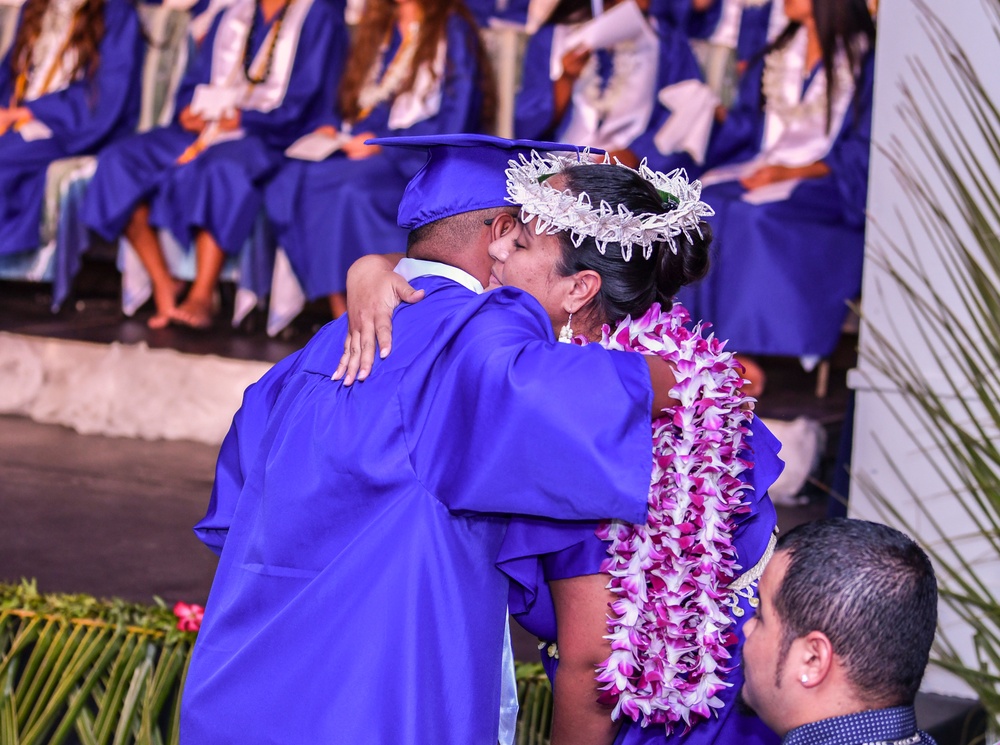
{"x": 375, "y": 27}
{"x": 630, "y": 287}
{"x": 85, "y": 38}
{"x": 840, "y": 24}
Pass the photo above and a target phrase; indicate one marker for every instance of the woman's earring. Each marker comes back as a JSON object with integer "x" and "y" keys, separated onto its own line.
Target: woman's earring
{"x": 566, "y": 332}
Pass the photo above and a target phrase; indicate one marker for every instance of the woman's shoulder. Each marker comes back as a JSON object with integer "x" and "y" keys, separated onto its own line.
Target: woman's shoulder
{"x": 120, "y": 11}
{"x": 459, "y": 26}
{"x": 326, "y": 11}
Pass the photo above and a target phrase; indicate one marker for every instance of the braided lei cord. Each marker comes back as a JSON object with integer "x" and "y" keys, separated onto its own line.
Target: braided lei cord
{"x": 670, "y": 625}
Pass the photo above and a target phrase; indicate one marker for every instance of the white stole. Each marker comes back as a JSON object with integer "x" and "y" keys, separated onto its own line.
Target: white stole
{"x": 227, "y": 54}
{"x": 632, "y": 84}
{"x": 795, "y": 131}
{"x": 53, "y": 67}
{"x": 423, "y": 100}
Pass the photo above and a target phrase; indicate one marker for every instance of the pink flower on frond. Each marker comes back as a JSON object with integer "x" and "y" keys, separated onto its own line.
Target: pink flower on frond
{"x": 670, "y": 627}
{"x": 189, "y": 616}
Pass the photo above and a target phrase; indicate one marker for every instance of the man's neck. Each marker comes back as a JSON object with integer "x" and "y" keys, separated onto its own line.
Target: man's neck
{"x": 464, "y": 260}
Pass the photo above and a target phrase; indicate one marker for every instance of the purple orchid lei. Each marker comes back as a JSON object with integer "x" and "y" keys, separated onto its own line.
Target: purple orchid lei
{"x": 670, "y": 625}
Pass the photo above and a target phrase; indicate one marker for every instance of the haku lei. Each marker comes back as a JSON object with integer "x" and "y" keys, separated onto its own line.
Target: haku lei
{"x": 670, "y": 627}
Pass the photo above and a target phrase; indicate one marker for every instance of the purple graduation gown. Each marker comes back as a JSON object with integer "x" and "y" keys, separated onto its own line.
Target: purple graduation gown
{"x": 83, "y": 117}
{"x": 800, "y": 259}
{"x": 329, "y": 214}
{"x": 221, "y": 190}
{"x": 537, "y": 551}
{"x": 357, "y": 598}
{"x": 534, "y": 107}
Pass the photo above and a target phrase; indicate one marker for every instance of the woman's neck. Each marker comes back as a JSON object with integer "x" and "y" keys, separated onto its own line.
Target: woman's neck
{"x": 814, "y": 49}
{"x": 408, "y": 13}
{"x": 269, "y": 8}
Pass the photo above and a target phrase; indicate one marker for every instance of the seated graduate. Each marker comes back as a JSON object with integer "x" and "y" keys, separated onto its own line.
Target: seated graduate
{"x": 416, "y": 67}
{"x": 261, "y": 78}
{"x": 357, "y": 598}
{"x": 606, "y": 98}
{"x": 676, "y": 620}
{"x": 68, "y": 85}
{"x": 790, "y": 186}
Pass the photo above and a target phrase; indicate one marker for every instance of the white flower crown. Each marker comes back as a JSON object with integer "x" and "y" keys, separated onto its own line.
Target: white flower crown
{"x": 556, "y": 210}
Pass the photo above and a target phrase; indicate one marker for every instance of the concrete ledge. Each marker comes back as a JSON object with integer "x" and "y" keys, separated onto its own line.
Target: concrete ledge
{"x": 122, "y": 390}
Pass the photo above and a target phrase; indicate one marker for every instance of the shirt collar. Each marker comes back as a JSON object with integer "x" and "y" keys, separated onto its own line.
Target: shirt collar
{"x": 409, "y": 269}
{"x": 894, "y": 725}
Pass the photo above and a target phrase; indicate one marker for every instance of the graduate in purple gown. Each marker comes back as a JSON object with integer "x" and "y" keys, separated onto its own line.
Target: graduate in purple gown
{"x": 416, "y": 68}
{"x": 68, "y": 86}
{"x": 604, "y": 98}
{"x": 261, "y": 78}
{"x": 789, "y": 185}
{"x": 598, "y": 272}
{"x": 357, "y": 597}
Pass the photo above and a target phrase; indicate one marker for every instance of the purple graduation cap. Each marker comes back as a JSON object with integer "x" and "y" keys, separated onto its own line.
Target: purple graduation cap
{"x": 463, "y": 172}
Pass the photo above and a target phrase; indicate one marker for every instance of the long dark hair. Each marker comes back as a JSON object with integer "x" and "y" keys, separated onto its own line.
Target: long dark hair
{"x": 630, "y": 287}
{"x": 375, "y": 27}
{"x": 85, "y": 37}
{"x": 840, "y": 24}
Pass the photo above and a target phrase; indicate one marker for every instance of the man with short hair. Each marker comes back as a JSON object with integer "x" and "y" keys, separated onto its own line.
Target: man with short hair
{"x": 357, "y": 599}
{"x": 842, "y": 636}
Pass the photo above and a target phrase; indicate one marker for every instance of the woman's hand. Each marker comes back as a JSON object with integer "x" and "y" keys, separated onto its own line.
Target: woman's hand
{"x": 14, "y": 116}
{"x": 356, "y": 149}
{"x": 327, "y": 130}
{"x": 574, "y": 61}
{"x": 373, "y": 292}
{"x": 231, "y": 121}
{"x": 190, "y": 121}
{"x": 773, "y": 174}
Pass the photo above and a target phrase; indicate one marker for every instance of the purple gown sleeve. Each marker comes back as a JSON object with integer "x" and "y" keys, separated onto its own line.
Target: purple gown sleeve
{"x": 534, "y": 107}
{"x": 316, "y": 71}
{"x": 702, "y": 24}
{"x": 537, "y": 551}
{"x": 676, "y": 64}
{"x": 238, "y": 454}
{"x": 520, "y": 425}
{"x": 89, "y": 111}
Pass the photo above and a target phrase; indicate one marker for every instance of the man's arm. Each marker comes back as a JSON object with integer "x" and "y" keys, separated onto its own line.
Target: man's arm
{"x": 581, "y": 605}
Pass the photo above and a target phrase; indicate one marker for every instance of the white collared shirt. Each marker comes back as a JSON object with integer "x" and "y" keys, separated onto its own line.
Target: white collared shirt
{"x": 409, "y": 269}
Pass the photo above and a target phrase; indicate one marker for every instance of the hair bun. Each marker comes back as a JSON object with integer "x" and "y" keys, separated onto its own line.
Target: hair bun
{"x": 687, "y": 266}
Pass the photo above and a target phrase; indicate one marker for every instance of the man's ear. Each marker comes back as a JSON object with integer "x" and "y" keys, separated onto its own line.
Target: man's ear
{"x": 501, "y": 224}
{"x": 585, "y": 286}
{"x": 815, "y": 658}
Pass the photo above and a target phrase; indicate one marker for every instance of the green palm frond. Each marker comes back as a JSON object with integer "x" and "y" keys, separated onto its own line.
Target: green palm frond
{"x": 952, "y": 400}
{"x": 107, "y": 672}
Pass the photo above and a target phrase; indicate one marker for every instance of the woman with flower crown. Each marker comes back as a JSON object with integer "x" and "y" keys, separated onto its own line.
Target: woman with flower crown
{"x": 788, "y": 181}
{"x": 604, "y": 248}
{"x": 416, "y": 67}
{"x": 68, "y": 85}
{"x": 606, "y": 98}
{"x": 261, "y": 77}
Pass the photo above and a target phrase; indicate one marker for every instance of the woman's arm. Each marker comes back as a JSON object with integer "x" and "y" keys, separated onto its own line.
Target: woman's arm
{"x": 581, "y": 605}
{"x": 373, "y": 292}
{"x": 772, "y": 174}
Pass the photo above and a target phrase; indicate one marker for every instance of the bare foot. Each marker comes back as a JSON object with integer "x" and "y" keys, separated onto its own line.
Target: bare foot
{"x": 160, "y": 320}
{"x": 193, "y": 313}
{"x": 166, "y": 305}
